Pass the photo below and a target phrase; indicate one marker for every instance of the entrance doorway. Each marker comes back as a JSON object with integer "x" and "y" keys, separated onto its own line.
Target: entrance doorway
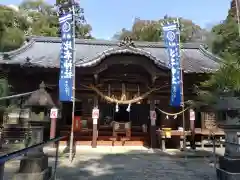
{"x": 122, "y": 114}
{"x": 67, "y": 111}
{"x": 137, "y": 114}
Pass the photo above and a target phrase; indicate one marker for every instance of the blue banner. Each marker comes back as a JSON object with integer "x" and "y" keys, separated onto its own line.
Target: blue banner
{"x": 66, "y": 58}
{"x": 171, "y": 39}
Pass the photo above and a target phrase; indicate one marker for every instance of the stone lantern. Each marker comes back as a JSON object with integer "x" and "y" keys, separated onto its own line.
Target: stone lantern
{"x": 39, "y": 103}
{"x": 35, "y": 163}
{"x": 228, "y": 109}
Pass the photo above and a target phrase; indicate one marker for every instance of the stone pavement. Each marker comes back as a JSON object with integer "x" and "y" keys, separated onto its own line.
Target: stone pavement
{"x": 219, "y": 151}
{"x": 199, "y": 152}
{"x": 106, "y": 163}
{"x": 133, "y": 165}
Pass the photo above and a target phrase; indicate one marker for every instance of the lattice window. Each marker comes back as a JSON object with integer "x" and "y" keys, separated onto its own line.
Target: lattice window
{"x": 209, "y": 120}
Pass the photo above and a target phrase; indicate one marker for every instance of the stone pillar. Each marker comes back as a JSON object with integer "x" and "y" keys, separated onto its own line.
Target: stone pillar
{"x": 95, "y": 116}
{"x": 2, "y": 171}
{"x": 35, "y": 164}
{"x": 229, "y": 163}
{"x": 153, "y": 124}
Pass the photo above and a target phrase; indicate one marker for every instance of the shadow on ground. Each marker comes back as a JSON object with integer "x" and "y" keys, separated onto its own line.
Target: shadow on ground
{"x": 135, "y": 164}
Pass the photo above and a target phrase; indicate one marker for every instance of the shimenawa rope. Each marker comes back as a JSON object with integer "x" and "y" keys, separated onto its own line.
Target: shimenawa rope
{"x": 172, "y": 114}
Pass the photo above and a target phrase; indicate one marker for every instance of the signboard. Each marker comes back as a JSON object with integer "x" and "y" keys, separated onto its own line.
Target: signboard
{"x": 66, "y": 58}
{"x": 95, "y": 113}
{"x": 192, "y": 115}
{"x": 54, "y": 113}
{"x": 153, "y": 117}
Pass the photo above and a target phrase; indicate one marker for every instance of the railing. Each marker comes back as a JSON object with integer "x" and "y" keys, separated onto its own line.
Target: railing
{"x": 23, "y": 153}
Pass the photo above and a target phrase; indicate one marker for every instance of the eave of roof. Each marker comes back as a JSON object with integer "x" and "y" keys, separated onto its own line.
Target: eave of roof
{"x": 107, "y": 48}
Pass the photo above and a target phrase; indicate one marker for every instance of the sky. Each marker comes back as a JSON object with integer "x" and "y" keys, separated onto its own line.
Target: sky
{"x": 109, "y": 16}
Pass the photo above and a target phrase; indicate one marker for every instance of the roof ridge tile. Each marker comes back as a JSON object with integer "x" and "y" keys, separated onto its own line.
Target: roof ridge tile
{"x": 190, "y": 45}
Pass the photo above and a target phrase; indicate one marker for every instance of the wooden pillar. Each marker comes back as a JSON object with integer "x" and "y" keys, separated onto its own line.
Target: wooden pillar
{"x": 95, "y": 125}
{"x": 53, "y": 117}
{"x": 95, "y": 120}
{"x": 153, "y": 125}
{"x": 192, "y": 118}
{"x": 53, "y": 128}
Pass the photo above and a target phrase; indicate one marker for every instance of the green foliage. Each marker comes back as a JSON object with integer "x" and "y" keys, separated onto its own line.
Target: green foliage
{"x": 34, "y": 17}
{"x": 226, "y": 44}
{"x": 227, "y": 77}
{"x": 61, "y": 1}
{"x": 13, "y": 39}
{"x": 44, "y": 24}
{"x": 82, "y": 29}
{"x": 227, "y": 38}
{"x": 37, "y": 6}
{"x": 147, "y": 30}
{"x": 224, "y": 82}
{"x": 12, "y": 27}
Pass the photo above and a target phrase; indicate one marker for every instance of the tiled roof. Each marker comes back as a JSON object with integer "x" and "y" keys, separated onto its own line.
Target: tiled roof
{"x": 44, "y": 52}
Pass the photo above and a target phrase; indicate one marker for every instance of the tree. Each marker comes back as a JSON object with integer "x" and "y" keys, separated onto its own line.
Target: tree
{"x": 37, "y": 6}
{"x": 82, "y": 28}
{"x": 226, "y": 81}
{"x": 149, "y": 30}
{"x": 122, "y": 34}
{"x": 45, "y": 19}
{"x": 227, "y": 37}
{"x": 13, "y": 25}
{"x": 32, "y": 17}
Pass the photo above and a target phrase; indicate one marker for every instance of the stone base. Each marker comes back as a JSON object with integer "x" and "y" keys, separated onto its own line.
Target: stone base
{"x": 44, "y": 175}
{"x": 33, "y": 164}
{"x": 224, "y": 175}
{"x": 229, "y": 164}
{"x": 34, "y": 167}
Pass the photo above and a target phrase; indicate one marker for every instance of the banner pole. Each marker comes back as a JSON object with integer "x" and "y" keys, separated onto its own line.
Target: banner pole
{"x": 73, "y": 84}
{"x": 182, "y": 91}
